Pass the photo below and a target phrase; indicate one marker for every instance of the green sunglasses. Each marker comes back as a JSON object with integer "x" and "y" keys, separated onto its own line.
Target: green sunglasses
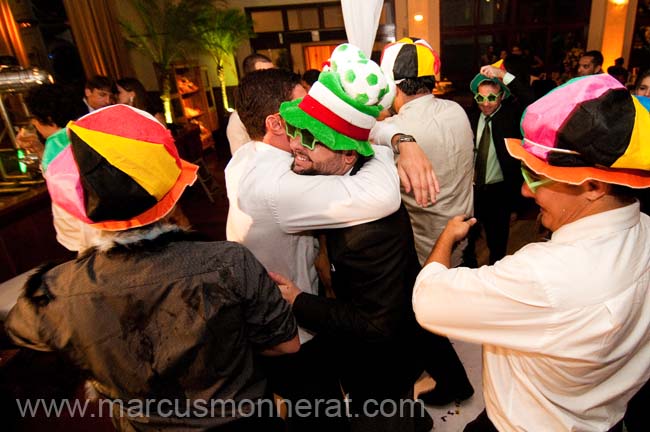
{"x": 490, "y": 98}
{"x": 533, "y": 180}
{"x": 306, "y": 138}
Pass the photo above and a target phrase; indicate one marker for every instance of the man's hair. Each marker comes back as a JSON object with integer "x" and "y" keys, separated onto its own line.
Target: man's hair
{"x": 421, "y": 85}
{"x": 249, "y": 62}
{"x": 492, "y": 84}
{"x": 311, "y": 76}
{"x": 260, "y": 94}
{"x": 100, "y": 82}
{"x": 597, "y": 57}
{"x": 54, "y": 104}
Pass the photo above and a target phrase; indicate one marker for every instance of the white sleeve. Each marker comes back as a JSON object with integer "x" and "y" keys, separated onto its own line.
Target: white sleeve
{"x": 302, "y": 202}
{"x": 236, "y": 133}
{"x": 383, "y": 132}
{"x": 72, "y": 233}
{"x": 504, "y": 304}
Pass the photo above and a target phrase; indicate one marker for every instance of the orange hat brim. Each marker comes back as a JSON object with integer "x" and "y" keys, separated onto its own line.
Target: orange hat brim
{"x": 186, "y": 178}
{"x": 636, "y": 179}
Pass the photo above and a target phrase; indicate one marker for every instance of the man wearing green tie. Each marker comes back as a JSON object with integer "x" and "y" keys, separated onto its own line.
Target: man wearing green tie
{"x": 496, "y": 174}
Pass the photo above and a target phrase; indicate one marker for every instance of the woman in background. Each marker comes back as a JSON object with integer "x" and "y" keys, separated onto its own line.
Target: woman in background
{"x": 642, "y": 84}
{"x": 130, "y": 91}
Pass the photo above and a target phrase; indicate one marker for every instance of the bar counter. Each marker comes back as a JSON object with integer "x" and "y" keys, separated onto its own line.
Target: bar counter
{"x": 27, "y": 236}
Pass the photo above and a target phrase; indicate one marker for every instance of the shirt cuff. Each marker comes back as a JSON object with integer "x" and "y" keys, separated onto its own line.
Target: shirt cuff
{"x": 382, "y": 133}
{"x": 508, "y": 78}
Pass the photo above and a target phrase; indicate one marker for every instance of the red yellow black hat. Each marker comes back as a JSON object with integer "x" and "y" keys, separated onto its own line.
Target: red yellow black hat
{"x": 116, "y": 168}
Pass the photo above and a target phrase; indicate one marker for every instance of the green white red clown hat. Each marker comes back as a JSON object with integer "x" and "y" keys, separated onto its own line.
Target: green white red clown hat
{"x": 116, "y": 168}
{"x": 342, "y": 106}
{"x": 589, "y": 128}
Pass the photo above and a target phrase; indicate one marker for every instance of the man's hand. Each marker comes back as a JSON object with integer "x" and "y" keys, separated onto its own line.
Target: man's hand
{"x": 457, "y": 229}
{"x": 287, "y": 288}
{"x": 492, "y": 72}
{"x": 416, "y": 173}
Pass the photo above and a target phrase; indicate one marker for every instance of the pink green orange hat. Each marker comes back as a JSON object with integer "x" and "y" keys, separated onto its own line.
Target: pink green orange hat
{"x": 342, "y": 106}
{"x": 589, "y": 128}
{"x": 116, "y": 168}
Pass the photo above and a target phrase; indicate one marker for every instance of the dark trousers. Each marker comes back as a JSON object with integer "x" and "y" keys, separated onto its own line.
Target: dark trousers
{"x": 482, "y": 423}
{"x": 492, "y": 207}
{"x": 308, "y": 375}
{"x": 439, "y": 358}
{"x": 637, "y": 417}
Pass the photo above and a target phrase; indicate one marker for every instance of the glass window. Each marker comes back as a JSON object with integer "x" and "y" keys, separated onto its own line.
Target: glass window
{"x": 456, "y": 51}
{"x": 454, "y": 13}
{"x": 333, "y": 16}
{"x": 566, "y": 11}
{"x": 303, "y": 19}
{"x": 493, "y": 12}
{"x": 533, "y": 11}
{"x": 267, "y": 21}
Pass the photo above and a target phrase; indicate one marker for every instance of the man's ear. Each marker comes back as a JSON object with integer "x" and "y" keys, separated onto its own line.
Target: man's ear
{"x": 274, "y": 124}
{"x": 593, "y": 190}
{"x": 350, "y": 157}
{"x": 87, "y": 92}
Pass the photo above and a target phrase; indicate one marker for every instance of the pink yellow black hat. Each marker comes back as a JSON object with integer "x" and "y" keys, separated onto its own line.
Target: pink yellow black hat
{"x": 116, "y": 168}
{"x": 590, "y": 128}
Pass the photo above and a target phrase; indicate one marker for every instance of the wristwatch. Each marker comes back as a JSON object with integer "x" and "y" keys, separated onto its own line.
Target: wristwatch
{"x": 400, "y": 139}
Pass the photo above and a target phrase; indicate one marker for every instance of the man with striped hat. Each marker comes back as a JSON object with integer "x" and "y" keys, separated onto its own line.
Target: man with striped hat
{"x": 154, "y": 315}
{"x": 373, "y": 265}
{"x": 442, "y": 130}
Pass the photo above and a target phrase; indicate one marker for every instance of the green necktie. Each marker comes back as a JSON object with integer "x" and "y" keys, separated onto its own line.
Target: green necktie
{"x": 480, "y": 167}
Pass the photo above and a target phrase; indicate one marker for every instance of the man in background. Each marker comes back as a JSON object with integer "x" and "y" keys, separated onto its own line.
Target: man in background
{"x": 236, "y": 131}
{"x": 98, "y": 92}
{"x": 501, "y": 98}
{"x": 591, "y": 63}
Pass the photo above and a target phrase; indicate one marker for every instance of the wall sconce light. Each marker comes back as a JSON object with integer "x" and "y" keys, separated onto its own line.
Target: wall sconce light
{"x": 619, "y": 2}
{"x": 418, "y": 18}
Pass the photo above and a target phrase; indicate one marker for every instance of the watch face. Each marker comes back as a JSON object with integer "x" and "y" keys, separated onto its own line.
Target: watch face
{"x": 406, "y": 138}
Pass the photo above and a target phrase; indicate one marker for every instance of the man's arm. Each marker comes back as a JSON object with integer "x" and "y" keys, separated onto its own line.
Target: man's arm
{"x": 302, "y": 202}
{"x": 413, "y": 166}
{"x": 270, "y": 324}
{"x": 325, "y": 315}
{"x": 288, "y": 347}
{"x": 502, "y": 304}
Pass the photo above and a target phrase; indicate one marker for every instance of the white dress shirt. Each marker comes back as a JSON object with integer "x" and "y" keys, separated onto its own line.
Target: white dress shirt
{"x": 442, "y": 130}
{"x": 564, "y": 324}
{"x": 236, "y": 133}
{"x": 272, "y": 209}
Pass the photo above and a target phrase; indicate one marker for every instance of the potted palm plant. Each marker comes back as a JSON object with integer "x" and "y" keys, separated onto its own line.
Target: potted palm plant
{"x": 162, "y": 31}
{"x": 219, "y": 32}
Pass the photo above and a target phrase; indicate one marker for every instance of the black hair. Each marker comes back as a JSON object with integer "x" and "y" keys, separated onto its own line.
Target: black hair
{"x": 260, "y": 94}
{"x": 311, "y": 76}
{"x": 639, "y": 79}
{"x": 249, "y": 62}
{"x": 100, "y": 82}
{"x": 54, "y": 104}
{"x": 596, "y": 55}
{"x": 421, "y": 85}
